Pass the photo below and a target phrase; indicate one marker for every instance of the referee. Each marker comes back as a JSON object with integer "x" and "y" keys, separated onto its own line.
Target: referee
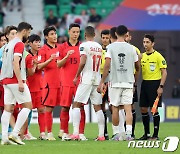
{"x": 154, "y": 76}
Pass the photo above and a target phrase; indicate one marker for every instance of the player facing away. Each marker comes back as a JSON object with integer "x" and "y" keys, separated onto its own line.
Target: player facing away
{"x": 14, "y": 83}
{"x": 121, "y": 58}
{"x": 70, "y": 58}
{"x": 34, "y": 84}
{"x": 135, "y": 95}
{"x": 47, "y": 58}
{"x": 154, "y": 75}
{"x": 105, "y": 40}
{"x": 89, "y": 68}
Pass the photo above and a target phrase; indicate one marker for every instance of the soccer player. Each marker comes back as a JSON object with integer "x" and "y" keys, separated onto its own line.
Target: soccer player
{"x": 70, "y": 58}
{"x": 3, "y": 39}
{"x": 34, "y": 83}
{"x": 135, "y": 95}
{"x": 112, "y": 32}
{"x": 89, "y": 68}
{"x": 121, "y": 58}
{"x": 47, "y": 58}
{"x": 15, "y": 88}
{"x": 105, "y": 40}
{"x": 154, "y": 76}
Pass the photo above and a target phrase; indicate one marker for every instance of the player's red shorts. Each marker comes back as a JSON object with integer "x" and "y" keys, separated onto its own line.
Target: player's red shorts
{"x": 67, "y": 94}
{"x": 51, "y": 96}
{"x": 36, "y": 99}
{"x": 1, "y": 96}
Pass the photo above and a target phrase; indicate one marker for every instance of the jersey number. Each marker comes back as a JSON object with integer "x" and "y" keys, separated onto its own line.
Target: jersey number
{"x": 96, "y": 62}
{"x": 73, "y": 60}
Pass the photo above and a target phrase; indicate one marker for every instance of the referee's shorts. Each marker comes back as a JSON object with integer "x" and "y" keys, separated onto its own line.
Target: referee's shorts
{"x": 148, "y": 93}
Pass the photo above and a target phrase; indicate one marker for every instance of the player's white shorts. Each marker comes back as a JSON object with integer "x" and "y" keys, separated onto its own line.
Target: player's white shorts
{"x": 85, "y": 91}
{"x": 120, "y": 96}
{"x": 13, "y": 95}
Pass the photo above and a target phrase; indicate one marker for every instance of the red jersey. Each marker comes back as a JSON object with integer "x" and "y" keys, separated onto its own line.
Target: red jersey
{"x": 69, "y": 70}
{"x": 18, "y": 50}
{"x": 34, "y": 81}
{"x": 51, "y": 71}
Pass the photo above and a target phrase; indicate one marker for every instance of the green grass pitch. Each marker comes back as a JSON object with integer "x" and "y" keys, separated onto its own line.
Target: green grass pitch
{"x": 90, "y": 146}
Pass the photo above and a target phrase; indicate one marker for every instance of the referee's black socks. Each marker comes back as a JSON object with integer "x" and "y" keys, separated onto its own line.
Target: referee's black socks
{"x": 146, "y": 123}
{"x": 133, "y": 122}
{"x": 156, "y": 120}
{"x": 105, "y": 126}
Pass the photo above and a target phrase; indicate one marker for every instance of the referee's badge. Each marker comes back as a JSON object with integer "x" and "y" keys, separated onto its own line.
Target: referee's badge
{"x": 152, "y": 67}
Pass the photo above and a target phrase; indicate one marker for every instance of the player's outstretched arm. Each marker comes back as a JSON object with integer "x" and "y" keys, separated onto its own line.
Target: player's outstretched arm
{"x": 60, "y": 63}
{"x": 81, "y": 66}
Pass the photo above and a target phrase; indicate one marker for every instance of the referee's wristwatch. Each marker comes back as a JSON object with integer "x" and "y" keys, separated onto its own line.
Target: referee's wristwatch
{"x": 161, "y": 86}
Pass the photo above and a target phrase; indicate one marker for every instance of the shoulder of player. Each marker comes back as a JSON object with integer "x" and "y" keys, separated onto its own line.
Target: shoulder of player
{"x": 158, "y": 54}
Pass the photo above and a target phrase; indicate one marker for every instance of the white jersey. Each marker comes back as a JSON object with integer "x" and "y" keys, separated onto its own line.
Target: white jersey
{"x": 91, "y": 71}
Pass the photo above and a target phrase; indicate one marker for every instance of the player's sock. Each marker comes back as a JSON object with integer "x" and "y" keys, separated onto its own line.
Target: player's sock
{"x": 105, "y": 124}
{"x": 121, "y": 120}
{"x": 100, "y": 118}
{"x": 5, "y": 118}
{"x": 29, "y": 118}
{"x": 156, "y": 120}
{"x": 64, "y": 117}
{"x": 134, "y": 121}
{"x": 146, "y": 121}
{"x": 22, "y": 117}
{"x": 115, "y": 129}
{"x": 82, "y": 121}
{"x": 49, "y": 120}
{"x": 41, "y": 122}
{"x": 76, "y": 120}
{"x": 129, "y": 129}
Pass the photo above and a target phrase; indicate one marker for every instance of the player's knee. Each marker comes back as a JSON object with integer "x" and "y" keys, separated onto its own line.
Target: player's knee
{"x": 97, "y": 108}
{"x": 77, "y": 105}
{"x": 144, "y": 110}
{"x": 65, "y": 109}
{"x": 41, "y": 110}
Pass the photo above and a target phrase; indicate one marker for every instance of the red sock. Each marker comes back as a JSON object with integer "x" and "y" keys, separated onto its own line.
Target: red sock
{"x": 41, "y": 121}
{"x": 82, "y": 122}
{"x": 48, "y": 119}
{"x": 64, "y": 117}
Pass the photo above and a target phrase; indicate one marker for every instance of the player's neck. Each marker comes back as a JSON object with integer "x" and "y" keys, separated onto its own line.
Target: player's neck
{"x": 52, "y": 44}
{"x": 90, "y": 39}
{"x": 104, "y": 46}
{"x": 120, "y": 39}
{"x": 150, "y": 51}
{"x": 34, "y": 52}
{"x": 19, "y": 36}
{"x": 73, "y": 42}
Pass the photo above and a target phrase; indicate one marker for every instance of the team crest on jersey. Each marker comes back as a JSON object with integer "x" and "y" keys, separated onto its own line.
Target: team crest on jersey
{"x": 81, "y": 48}
{"x": 39, "y": 58}
{"x": 164, "y": 62}
{"x": 121, "y": 58}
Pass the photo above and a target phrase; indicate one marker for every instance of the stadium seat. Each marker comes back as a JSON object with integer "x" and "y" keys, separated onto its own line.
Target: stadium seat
{"x": 79, "y": 8}
{"x": 64, "y": 9}
{"x": 64, "y": 2}
{"x": 50, "y": 7}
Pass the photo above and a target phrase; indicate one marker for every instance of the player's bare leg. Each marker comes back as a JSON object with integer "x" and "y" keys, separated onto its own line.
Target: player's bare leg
{"x": 146, "y": 123}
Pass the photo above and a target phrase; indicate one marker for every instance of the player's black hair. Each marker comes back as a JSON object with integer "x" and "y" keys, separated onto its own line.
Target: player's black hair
{"x": 34, "y": 37}
{"x": 112, "y": 32}
{"x": 1, "y": 35}
{"x": 48, "y": 29}
{"x": 24, "y": 25}
{"x": 150, "y": 37}
{"x": 90, "y": 31}
{"x": 105, "y": 32}
{"x": 74, "y": 25}
{"x": 121, "y": 30}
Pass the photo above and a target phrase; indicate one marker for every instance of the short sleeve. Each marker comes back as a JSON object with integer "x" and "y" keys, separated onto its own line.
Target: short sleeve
{"x": 19, "y": 49}
{"x": 29, "y": 61}
{"x": 135, "y": 55}
{"x": 108, "y": 53}
{"x": 161, "y": 61}
{"x": 82, "y": 50}
{"x": 41, "y": 55}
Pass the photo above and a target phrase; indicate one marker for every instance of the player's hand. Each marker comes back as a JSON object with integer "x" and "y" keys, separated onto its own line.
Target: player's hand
{"x": 159, "y": 91}
{"x": 53, "y": 56}
{"x": 101, "y": 88}
{"x": 70, "y": 52}
{"x": 75, "y": 80}
{"x": 35, "y": 61}
{"x": 21, "y": 86}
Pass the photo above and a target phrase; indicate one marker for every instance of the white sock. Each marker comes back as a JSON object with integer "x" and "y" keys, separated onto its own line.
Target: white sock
{"x": 115, "y": 129}
{"x": 5, "y": 119}
{"x": 121, "y": 120}
{"x": 129, "y": 129}
{"x": 76, "y": 120}
{"x": 22, "y": 117}
{"x": 101, "y": 119}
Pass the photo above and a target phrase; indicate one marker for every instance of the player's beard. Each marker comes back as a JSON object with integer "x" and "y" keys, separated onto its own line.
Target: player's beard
{"x": 24, "y": 39}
